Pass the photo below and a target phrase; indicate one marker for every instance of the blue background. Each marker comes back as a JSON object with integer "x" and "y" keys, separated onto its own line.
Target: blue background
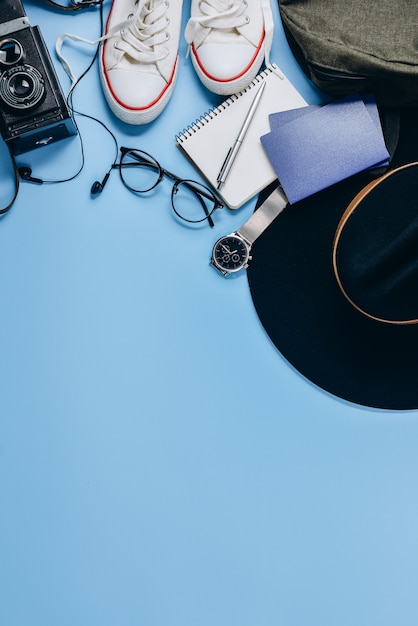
{"x": 160, "y": 462}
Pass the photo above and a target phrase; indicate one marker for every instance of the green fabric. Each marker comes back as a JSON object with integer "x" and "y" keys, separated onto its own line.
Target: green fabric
{"x": 357, "y": 45}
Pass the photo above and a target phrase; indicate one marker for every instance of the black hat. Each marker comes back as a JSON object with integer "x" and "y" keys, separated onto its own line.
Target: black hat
{"x": 334, "y": 281}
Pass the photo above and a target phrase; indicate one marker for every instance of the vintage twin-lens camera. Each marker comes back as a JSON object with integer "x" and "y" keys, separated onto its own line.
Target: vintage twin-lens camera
{"x": 33, "y": 110}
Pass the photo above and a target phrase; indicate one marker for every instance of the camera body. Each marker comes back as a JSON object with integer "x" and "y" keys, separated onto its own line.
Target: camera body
{"x": 33, "y": 110}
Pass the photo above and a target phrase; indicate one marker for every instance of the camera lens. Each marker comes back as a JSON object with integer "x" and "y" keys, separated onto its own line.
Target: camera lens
{"x": 10, "y": 52}
{"x": 21, "y": 87}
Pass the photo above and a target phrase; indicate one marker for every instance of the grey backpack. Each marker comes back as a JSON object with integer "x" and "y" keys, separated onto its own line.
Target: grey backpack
{"x": 362, "y": 46}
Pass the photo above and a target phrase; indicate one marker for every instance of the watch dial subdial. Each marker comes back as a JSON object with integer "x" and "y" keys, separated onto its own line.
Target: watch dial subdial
{"x": 230, "y": 253}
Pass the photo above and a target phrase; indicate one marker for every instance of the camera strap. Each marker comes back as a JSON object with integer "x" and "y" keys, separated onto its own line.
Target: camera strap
{"x": 75, "y": 6}
{"x": 16, "y": 191}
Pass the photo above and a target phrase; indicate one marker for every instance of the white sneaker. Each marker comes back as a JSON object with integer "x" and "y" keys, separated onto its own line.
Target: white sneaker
{"x": 139, "y": 57}
{"x": 228, "y": 41}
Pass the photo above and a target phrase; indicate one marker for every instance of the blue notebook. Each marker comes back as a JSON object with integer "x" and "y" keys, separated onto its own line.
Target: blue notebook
{"x": 317, "y": 146}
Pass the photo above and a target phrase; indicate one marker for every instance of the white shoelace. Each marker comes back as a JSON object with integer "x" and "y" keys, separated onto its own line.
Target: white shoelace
{"x": 140, "y": 35}
{"x": 219, "y": 14}
{"x": 225, "y": 15}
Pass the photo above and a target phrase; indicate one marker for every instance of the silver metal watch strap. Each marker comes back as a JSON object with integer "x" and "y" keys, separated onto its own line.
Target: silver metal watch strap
{"x": 264, "y": 215}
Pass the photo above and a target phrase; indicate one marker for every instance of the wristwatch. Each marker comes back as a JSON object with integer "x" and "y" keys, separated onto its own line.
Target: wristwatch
{"x": 231, "y": 253}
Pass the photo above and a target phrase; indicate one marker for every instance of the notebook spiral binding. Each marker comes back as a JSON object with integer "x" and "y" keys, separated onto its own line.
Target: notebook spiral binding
{"x": 211, "y": 113}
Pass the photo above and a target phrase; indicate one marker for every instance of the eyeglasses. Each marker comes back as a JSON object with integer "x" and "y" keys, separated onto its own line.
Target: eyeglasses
{"x": 191, "y": 201}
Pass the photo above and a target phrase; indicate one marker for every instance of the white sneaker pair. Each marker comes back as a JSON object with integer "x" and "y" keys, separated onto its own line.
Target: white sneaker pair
{"x": 228, "y": 41}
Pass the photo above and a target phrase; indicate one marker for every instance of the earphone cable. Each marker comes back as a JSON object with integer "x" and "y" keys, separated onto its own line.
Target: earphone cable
{"x": 69, "y": 100}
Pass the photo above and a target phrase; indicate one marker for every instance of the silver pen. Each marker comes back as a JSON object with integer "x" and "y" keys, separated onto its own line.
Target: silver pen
{"x": 233, "y": 151}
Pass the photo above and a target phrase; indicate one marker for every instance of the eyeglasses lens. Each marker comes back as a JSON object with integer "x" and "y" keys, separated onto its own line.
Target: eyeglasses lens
{"x": 139, "y": 171}
{"x": 192, "y": 201}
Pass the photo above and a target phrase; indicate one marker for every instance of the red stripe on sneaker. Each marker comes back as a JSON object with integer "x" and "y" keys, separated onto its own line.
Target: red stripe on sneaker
{"x": 148, "y": 106}
{"x": 227, "y": 80}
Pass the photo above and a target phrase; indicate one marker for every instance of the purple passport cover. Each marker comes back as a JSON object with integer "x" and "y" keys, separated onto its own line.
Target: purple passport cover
{"x": 316, "y": 147}
{"x": 282, "y": 117}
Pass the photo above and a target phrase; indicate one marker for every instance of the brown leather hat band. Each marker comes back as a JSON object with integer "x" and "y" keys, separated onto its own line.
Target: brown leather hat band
{"x": 354, "y": 204}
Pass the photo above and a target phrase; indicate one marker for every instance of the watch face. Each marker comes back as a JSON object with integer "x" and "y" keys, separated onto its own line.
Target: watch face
{"x": 230, "y": 253}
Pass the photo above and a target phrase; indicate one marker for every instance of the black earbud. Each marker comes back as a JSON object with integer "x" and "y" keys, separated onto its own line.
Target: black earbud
{"x": 98, "y": 186}
{"x": 25, "y": 173}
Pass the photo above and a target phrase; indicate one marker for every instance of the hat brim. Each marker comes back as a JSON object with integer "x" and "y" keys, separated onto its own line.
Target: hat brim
{"x": 305, "y": 314}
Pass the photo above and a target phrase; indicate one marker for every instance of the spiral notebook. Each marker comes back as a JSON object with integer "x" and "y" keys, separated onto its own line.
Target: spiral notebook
{"x": 207, "y": 141}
